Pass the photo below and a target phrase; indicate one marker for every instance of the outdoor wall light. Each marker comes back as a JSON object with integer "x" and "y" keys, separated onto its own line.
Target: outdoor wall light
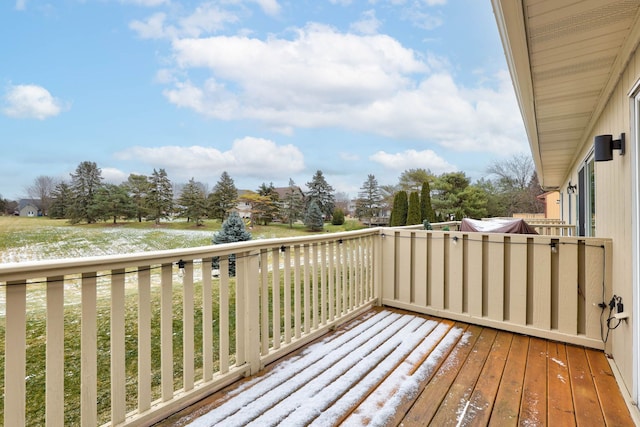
{"x": 604, "y": 146}
{"x": 571, "y": 189}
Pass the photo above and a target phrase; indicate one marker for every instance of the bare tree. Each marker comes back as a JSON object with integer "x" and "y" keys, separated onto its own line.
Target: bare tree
{"x": 40, "y": 192}
{"x": 516, "y": 185}
{"x": 514, "y": 173}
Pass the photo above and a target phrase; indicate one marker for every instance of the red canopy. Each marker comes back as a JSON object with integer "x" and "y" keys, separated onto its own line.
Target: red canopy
{"x": 516, "y": 226}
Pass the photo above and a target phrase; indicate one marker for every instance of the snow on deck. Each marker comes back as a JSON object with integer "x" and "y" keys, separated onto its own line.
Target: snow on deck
{"x": 331, "y": 381}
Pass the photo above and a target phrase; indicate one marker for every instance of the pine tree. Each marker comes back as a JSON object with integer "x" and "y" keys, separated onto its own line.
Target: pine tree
{"x": 61, "y": 201}
{"x": 232, "y": 230}
{"x": 223, "y": 198}
{"x": 292, "y": 204}
{"x": 322, "y": 193}
{"x": 193, "y": 202}
{"x": 138, "y": 187}
{"x": 313, "y": 217}
{"x": 112, "y": 201}
{"x": 369, "y": 200}
{"x": 160, "y": 198}
{"x": 400, "y": 208}
{"x": 413, "y": 214}
{"x": 84, "y": 185}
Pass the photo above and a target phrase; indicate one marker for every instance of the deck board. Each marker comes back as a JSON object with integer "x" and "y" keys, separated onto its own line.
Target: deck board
{"x": 559, "y": 400}
{"x": 507, "y": 407}
{"x": 392, "y": 368}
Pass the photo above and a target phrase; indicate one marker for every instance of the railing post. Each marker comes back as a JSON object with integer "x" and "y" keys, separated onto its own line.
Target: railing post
{"x": 248, "y": 275}
{"x": 55, "y": 351}
{"x": 15, "y": 354}
{"x": 89, "y": 356}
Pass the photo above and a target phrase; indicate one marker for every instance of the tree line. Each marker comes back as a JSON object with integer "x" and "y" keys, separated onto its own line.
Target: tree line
{"x": 419, "y": 195}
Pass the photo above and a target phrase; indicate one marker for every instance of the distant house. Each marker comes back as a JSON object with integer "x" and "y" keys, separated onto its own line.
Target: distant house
{"x": 29, "y": 208}
{"x": 242, "y": 207}
{"x": 551, "y": 201}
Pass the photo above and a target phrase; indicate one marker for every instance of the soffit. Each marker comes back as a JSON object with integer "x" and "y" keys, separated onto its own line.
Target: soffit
{"x": 565, "y": 57}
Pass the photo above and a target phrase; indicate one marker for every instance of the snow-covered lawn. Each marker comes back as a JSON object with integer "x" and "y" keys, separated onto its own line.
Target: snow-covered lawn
{"x": 45, "y": 243}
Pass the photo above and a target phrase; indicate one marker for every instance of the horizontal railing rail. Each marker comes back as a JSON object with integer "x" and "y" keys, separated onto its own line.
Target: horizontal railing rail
{"x": 554, "y": 229}
{"x": 538, "y": 285}
{"x": 132, "y": 339}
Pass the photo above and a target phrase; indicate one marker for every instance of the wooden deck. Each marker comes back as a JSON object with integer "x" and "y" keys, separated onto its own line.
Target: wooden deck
{"x": 398, "y": 368}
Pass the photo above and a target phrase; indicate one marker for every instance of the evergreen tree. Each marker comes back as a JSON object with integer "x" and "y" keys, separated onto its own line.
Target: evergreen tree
{"x": 369, "y": 200}
{"x": 193, "y": 202}
{"x": 85, "y": 182}
{"x": 338, "y": 217}
{"x": 456, "y": 198}
{"x": 232, "y": 230}
{"x": 313, "y": 217}
{"x": 426, "y": 210}
{"x": 413, "y": 214}
{"x": 61, "y": 201}
{"x": 160, "y": 198}
{"x": 322, "y": 193}
{"x": 292, "y": 204}
{"x": 474, "y": 203}
{"x": 112, "y": 201}
{"x": 223, "y": 198}
{"x": 138, "y": 187}
{"x": 400, "y": 209}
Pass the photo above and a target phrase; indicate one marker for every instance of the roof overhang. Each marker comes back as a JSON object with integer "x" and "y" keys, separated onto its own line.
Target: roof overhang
{"x": 565, "y": 59}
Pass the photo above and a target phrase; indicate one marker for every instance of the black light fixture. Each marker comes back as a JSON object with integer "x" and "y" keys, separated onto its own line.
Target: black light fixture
{"x": 571, "y": 189}
{"x": 604, "y": 146}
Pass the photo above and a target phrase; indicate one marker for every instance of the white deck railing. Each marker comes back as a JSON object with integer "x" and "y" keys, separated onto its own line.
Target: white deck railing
{"x": 537, "y": 285}
{"x": 321, "y": 282}
{"x": 132, "y": 339}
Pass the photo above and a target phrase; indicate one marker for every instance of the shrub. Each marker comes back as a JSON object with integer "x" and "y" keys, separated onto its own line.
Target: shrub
{"x": 338, "y": 217}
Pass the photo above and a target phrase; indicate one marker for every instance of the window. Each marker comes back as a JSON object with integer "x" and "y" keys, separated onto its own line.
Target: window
{"x": 587, "y": 198}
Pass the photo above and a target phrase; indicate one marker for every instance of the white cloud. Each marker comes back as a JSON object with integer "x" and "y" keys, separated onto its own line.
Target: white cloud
{"x": 31, "y": 102}
{"x": 207, "y": 18}
{"x": 21, "y": 5}
{"x": 369, "y": 24}
{"x": 249, "y": 156}
{"x": 323, "y": 78}
{"x": 412, "y": 159}
{"x": 270, "y": 7}
{"x": 152, "y": 28}
{"x": 113, "y": 175}
{"x": 307, "y": 81}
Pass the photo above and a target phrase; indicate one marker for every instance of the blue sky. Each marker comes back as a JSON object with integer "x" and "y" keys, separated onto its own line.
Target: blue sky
{"x": 266, "y": 90}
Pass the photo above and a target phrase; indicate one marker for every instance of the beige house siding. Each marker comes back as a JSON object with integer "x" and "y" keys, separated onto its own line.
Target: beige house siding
{"x": 614, "y": 207}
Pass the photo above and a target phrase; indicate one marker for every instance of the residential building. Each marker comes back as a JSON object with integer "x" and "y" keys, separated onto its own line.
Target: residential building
{"x": 576, "y": 71}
